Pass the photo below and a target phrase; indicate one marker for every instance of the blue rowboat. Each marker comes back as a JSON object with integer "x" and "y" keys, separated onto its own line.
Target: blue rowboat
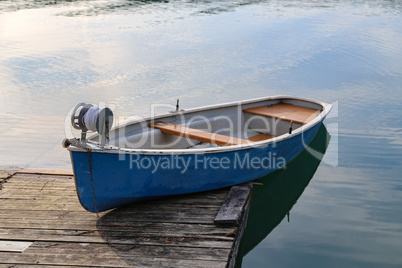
{"x": 187, "y": 151}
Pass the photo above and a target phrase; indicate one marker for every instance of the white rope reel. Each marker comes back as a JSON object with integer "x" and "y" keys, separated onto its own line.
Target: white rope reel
{"x": 88, "y": 117}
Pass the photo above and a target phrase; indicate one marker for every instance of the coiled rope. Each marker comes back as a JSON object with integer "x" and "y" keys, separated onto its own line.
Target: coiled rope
{"x": 90, "y": 118}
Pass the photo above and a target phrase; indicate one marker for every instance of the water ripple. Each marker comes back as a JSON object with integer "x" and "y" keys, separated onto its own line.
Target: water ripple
{"x": 98, "y": 7}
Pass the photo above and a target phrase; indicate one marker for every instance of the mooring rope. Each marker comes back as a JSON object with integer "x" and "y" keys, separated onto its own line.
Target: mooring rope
{"x": 90, "y": 118}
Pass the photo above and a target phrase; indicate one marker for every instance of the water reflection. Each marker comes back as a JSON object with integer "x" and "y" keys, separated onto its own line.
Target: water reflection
{"x": 275, "y": 196}
{"x": 97, "y": 7}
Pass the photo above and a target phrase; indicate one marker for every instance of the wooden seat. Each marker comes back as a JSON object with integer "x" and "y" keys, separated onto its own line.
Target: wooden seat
{"x": 205, "y": 136}
{"x": 260, "y": 137}
{"x": 286, "y": 112}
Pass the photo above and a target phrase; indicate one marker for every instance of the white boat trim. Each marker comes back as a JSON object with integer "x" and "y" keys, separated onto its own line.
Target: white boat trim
{"x": 115, "y": 150}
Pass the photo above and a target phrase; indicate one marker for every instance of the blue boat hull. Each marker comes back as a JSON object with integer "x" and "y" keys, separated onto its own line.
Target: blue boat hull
{"x": 121, "y": 179}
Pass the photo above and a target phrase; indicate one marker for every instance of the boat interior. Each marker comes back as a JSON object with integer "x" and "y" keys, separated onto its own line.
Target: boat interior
{"x": 228, "y": 125}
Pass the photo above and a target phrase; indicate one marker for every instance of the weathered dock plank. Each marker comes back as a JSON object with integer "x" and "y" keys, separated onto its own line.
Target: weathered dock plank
{"x": 41, "y": 210}
{"x": 14, "y": 246}
{"x": 5, "y": 174}
{"x": 232, "y": 209}
{"x": 46, "y": 172}
{"x": 99, "y": 260}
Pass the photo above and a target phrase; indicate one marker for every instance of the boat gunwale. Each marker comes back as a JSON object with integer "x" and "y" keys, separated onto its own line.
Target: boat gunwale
{"x": 116, "y": 150}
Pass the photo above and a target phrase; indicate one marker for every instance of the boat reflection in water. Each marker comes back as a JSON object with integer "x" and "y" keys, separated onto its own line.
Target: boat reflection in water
{"x": 278, "y": 192}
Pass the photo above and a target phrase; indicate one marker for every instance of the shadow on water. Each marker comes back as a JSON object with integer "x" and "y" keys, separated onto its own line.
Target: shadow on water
{"x": 273, "y": 199}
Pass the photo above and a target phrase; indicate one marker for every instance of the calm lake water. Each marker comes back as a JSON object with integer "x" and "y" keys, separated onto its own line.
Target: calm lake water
{"x": 132, "y": 54}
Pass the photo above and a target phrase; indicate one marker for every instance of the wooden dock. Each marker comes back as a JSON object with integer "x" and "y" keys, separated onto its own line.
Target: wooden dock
{"x": 43, "y": 224}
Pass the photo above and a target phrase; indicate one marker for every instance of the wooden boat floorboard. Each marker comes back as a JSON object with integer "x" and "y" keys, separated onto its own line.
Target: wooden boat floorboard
{"x": 179, "y": 231}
